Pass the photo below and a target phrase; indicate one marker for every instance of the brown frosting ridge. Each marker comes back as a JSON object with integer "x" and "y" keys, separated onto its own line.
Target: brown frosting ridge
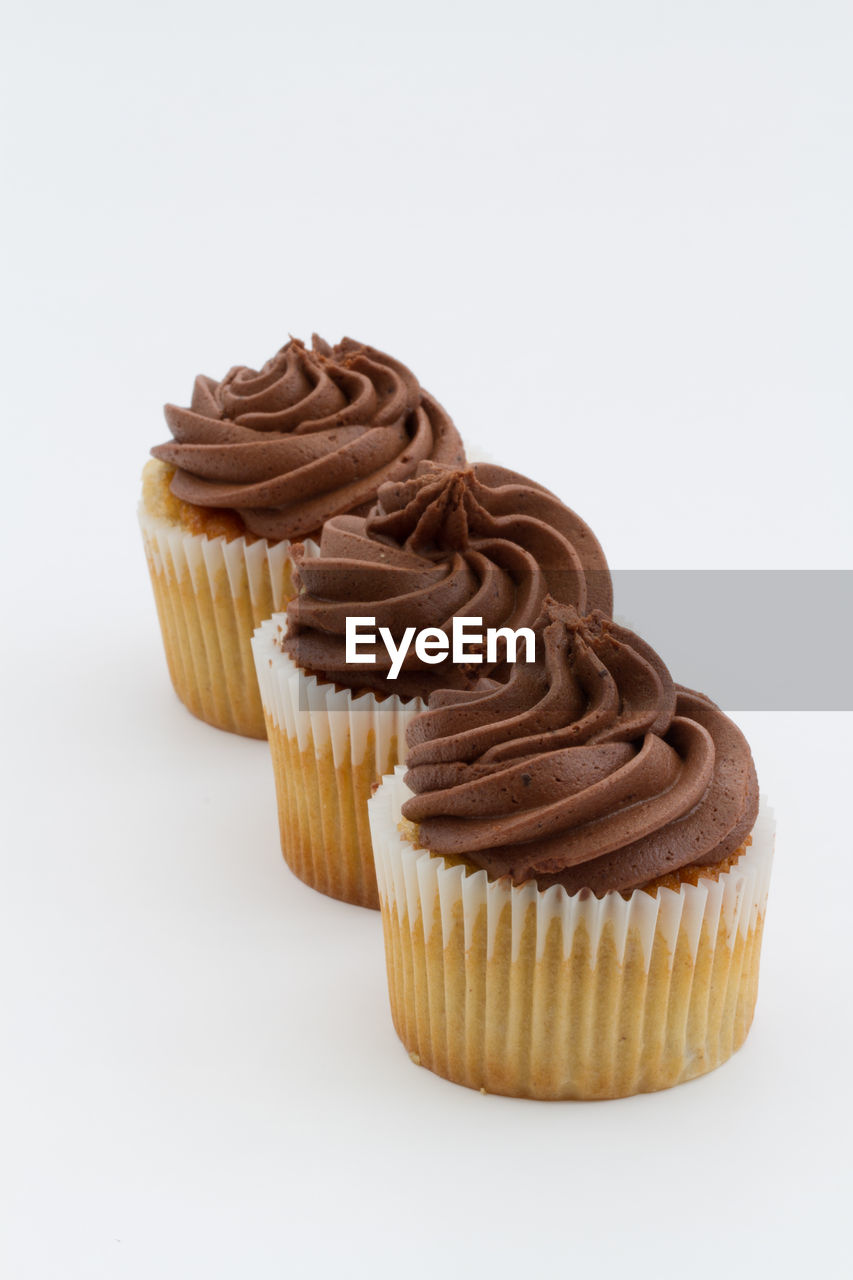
{"x": 589, "y": 768}
{"x": 311, "y": 435}
{"x": 482, "y": 542}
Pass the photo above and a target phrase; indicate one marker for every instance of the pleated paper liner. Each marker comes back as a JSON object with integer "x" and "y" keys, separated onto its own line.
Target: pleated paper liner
{"x": 329, "y": 750}
{"x": 210, "y": 596}
{"x": 540, "y": 994}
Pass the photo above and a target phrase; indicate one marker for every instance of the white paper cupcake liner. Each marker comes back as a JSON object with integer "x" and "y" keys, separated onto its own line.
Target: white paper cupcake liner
{"x": 210, "y": 595}
{"x": 476, "y": 452}
{"x": 546, "y": 995}
{"x": 329, "y": 750}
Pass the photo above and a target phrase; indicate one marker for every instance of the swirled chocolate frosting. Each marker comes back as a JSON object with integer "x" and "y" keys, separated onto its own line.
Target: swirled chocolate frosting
{"x": 311, "y": 435}
{"x": 589, "y": 768}
{"x": 477, "y": 543}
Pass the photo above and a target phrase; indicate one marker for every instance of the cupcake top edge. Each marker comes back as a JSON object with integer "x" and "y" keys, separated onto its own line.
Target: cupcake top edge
{"x": 448, "y": 543}
{"x": 312, "y": 434}
{"x": 588, "y": 768}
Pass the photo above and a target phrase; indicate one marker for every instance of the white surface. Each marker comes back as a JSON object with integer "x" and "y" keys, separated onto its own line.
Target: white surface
{"x": 614, "y": 240}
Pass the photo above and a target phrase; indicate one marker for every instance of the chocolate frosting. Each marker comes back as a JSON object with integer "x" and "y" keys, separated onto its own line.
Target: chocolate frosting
{"x": 311, "y": 435}
{"x": 589, "y": 768}
{"x": 483, "y": 542}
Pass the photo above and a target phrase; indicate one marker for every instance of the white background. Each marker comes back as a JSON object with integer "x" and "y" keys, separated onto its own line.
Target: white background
{"x": 614, "y": 240}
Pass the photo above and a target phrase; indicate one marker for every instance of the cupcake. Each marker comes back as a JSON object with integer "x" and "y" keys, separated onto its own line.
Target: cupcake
{"x": 259, "y": 460}
{"x": 445, "y": 546}
{"x": 573, "y": 872}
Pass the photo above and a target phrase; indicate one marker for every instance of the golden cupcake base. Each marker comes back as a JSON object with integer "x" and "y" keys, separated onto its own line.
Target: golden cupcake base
{"x": 330, "y": 748}
{"x": 211, "y": 589}
{"x": 536, "y": 994}
{"x": 322, "y": 814}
